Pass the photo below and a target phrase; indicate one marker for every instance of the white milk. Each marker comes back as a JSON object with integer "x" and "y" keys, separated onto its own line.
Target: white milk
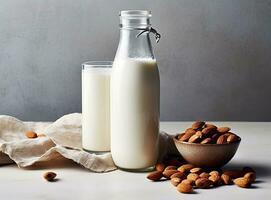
{"x": 135, "y": 93}
{"x": 96, "y": 109}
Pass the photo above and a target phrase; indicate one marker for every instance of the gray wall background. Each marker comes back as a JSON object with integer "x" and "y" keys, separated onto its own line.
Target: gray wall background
{"x": 214, "y": 56}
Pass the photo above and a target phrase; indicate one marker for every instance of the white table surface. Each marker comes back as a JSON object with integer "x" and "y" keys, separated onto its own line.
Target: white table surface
{"x": 76, "y": 183}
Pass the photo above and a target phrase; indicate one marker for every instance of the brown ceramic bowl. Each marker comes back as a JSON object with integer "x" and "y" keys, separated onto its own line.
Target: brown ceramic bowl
{"x": 207, "y": 155}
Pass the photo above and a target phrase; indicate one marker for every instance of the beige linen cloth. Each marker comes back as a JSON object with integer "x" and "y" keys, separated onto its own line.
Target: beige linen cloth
{"x": 63, "y": 139}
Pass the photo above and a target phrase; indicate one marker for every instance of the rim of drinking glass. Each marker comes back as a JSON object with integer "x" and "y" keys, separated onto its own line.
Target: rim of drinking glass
{"x": 97, "y": 64}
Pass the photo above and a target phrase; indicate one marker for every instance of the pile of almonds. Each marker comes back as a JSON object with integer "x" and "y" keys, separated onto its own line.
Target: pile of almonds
{"x": 203, "y": 133}
{"x": 187, "y": 177}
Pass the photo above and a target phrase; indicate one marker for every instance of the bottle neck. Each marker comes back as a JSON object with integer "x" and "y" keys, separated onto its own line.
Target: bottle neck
{"x": 135, "y": 19}
{"x": 134, "y": 35}
{"x": 131, "y": 45}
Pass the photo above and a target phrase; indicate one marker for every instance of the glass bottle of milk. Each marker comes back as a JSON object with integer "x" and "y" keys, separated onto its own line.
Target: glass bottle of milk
{"x": 135, "y": 95}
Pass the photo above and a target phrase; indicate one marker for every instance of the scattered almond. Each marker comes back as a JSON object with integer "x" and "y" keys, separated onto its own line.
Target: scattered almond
{"x": 226, "y": 179}
{"x": 204, "y": 175}
{"x": 214, "y": 172}
{"x": 192, "y": 177}
{"x": 170, "y": 167}
{"x": 233, "y": 173}
{"x": 186, "y": 181}
{"x": 42, "y": 135}
{"x": 203, "y": 183}
{"x": 31, "y": 134}
{"x": 168, "y": 173}
{"x": 175, "y": 181}
{"x": 155, "y": 176}
{"x": 178, "y": 174}
{"x": 251, "y": 176}
{"x": 215, "y": 179}
{"x": 196, "y": 170}
{"x": 185, "y": 167}
{"x": 49, "y": 176}
{"x": 185, "y": 188}
{"x": 160, "y": 167}
{"x": 242, "y": 182}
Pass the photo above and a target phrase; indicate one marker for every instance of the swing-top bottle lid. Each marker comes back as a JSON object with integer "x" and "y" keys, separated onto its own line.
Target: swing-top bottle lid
{"x": 135, "y": 18}
{"x": 135, "y": 13}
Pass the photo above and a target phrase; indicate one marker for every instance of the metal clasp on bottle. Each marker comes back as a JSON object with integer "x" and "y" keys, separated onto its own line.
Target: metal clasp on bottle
{"x": 150, "y": 30}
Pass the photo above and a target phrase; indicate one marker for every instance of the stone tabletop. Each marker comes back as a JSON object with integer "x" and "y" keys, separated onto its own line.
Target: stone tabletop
{"x": 75, "y": 182}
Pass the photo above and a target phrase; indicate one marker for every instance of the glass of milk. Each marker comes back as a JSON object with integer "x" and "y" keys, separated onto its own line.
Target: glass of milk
{"x": 96, "y": 106}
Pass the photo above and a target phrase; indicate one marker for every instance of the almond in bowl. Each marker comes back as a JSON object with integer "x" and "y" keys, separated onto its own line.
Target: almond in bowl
{"x": 206, "y": 145}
